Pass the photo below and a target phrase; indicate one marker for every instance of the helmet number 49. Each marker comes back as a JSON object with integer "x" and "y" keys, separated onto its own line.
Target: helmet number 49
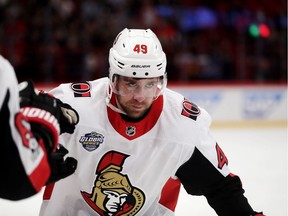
{"x": 140, "y": 48}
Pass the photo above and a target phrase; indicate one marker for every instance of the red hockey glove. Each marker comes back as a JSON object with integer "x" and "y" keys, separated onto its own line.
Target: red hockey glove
{"x": 68, "y": 116}
{"x": 61, "y": 168}
{"x": 43, "y": 114}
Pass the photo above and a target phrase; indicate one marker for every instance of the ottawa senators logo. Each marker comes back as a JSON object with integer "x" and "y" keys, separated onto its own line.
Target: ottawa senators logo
{"x": 112, "y": 193}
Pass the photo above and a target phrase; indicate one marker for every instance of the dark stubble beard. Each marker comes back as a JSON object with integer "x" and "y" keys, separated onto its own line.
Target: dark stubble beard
{"x": 130, "y": 117}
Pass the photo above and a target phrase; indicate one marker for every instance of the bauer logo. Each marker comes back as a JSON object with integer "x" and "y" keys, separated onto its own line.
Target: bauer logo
{"x": 91, "y": 141}
{"x": 140, "y": 66}
{"x": 260, "y": 104}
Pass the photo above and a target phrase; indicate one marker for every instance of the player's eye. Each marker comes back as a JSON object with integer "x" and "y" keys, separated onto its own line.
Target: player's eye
{"x": 150, "y": 85}
{"x": 130, "y": 84}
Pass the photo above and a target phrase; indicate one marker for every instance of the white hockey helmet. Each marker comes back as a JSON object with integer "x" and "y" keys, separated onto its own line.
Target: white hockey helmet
{"x": 137, "y": 53}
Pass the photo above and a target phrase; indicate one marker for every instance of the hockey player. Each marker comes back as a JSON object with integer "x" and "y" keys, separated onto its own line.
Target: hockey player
{"x": 29, "y": 137}
{"x": 137, "y": 142}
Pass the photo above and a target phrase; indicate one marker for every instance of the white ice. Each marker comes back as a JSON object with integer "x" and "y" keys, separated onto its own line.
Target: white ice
{"x": 257, "y": 155}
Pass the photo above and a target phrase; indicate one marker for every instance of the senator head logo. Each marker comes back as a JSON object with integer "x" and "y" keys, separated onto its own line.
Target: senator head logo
{"x": 112, "y": 193}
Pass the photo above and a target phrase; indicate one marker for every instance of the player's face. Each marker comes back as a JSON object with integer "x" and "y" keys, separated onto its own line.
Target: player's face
{"x": 136, "y": 95}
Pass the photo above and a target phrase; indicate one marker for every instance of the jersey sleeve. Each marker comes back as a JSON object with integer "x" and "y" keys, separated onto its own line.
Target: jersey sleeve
{"x": 65, "y": 94}
{"x": 207, "y": 173}
{"x": 23, "y": 163}
{"x": 58, "y": 91}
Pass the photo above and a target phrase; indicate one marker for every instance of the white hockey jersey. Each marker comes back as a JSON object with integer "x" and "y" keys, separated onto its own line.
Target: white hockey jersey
{"x": 136, "y": 168}
{"x": 23, "y": 163}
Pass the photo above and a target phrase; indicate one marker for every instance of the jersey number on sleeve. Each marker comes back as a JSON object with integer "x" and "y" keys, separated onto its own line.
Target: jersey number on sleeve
{"x": 222, "y": 159}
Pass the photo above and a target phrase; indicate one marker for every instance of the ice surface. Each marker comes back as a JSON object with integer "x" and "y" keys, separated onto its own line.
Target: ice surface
{"x": 257, "y": 155}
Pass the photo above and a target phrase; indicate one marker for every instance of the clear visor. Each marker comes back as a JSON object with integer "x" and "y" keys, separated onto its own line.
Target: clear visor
{"x": 146, "y": 87}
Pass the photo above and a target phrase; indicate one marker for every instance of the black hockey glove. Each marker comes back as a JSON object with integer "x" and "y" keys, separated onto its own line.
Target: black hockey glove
{"x": 42, "y": 113}
{"x": 60, "y": 167}
{"x": 69, "y": 117}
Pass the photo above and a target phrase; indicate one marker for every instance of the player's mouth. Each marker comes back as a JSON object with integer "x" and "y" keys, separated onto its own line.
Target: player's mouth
{"x": 137, "y": 107}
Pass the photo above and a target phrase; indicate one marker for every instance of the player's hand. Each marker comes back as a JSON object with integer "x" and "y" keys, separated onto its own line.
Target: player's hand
{"x": 69, "y": 118}
{"x": 60, "y": 167}
{"x": 43, "y": 114}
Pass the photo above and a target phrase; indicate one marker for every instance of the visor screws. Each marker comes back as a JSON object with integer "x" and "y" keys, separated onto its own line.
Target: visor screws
{"x": 134, "y": 73}
{"x": 146, "y": 74}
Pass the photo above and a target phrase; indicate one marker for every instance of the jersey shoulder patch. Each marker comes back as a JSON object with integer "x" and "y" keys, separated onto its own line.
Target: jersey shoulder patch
{"x": 190, "y": 109}
{"x": 81, "y": 89}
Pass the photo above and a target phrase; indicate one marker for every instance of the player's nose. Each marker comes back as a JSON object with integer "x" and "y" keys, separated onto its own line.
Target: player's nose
{"x": 139, "y": 94}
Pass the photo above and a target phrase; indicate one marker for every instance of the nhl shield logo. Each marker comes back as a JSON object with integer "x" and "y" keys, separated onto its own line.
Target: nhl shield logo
{"x": 91, "y": 141}
{"x": 130, "y": 130}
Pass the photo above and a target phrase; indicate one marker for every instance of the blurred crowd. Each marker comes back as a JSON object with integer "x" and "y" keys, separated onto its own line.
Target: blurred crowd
{"x": 69, "y": 40}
